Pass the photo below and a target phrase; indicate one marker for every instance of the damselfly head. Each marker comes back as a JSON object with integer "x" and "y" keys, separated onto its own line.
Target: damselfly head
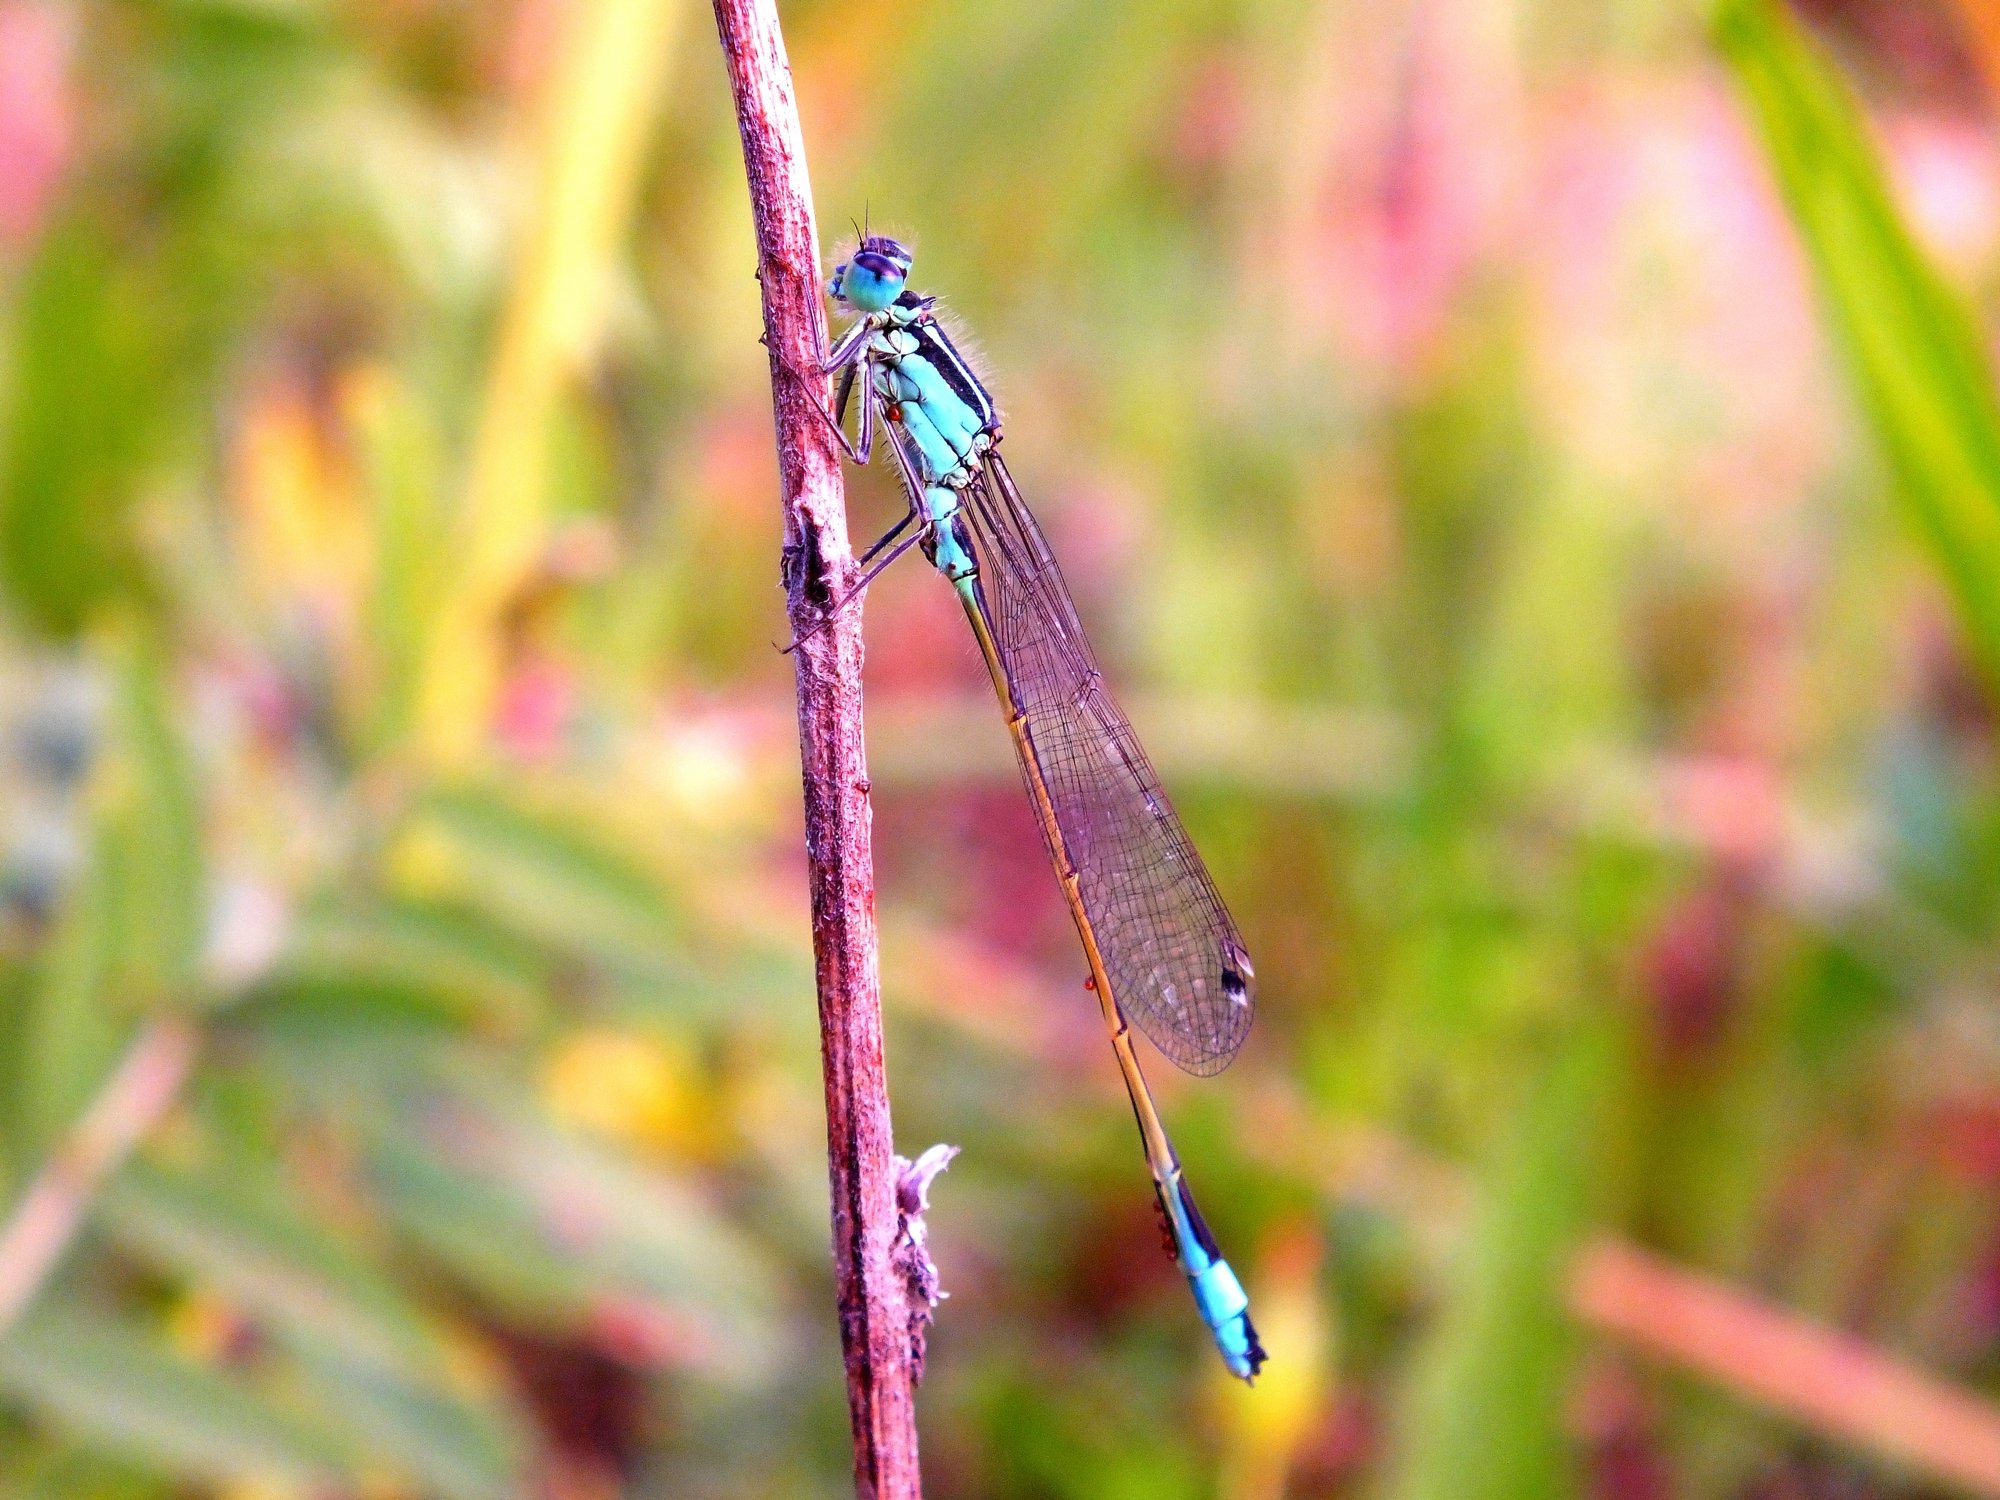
{"x": 873, "y": 277}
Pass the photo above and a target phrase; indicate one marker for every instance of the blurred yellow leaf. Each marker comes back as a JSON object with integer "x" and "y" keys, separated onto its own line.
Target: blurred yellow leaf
{"x": 589, "y": 134}
{"x": 423, "y": 861}
{"x": 637, "y": 1090}
{"x": 260, "y": 1489}
{"x": 203, "y": 1326}
{"x": 302, "y": 527}
{"x": 1268, "y": 1423}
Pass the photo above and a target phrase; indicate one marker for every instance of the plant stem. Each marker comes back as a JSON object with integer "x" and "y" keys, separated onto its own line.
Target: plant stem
{"x": 132, "y": 1100}
{"x": 1837, "y": 1384}
{"x": 818, "y": 563}
{"x": 588, "y": 133}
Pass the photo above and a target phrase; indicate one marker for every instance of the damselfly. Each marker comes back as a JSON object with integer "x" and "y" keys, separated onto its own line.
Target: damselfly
{"x": 1161, "y": 947}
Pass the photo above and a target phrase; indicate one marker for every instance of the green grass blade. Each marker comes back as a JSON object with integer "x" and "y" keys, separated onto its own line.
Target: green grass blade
{"x": 453, "y": 1448}
{"x": 1485, "y": 1418}
{"x": 247, "y": 1240}
{"x": 1910, "y": 345}
{"x": 135, "y": 1396}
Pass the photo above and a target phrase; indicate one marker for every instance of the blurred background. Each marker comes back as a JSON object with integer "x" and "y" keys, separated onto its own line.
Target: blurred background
{"x": 1532, "y": 471}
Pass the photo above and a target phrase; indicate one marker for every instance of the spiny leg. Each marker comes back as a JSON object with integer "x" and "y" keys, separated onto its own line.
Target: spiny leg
{"x": 844, "y": 351}
{"x": 856, "y": 453}
{"x": 851, "y": 359}
{"x": 888, "y": 536}
{"x": 913, "y": 479}
{"x": 864, "y": 446}
{"x": 861, "y": 585}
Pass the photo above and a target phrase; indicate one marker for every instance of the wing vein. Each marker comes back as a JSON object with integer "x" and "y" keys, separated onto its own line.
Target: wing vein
{"x": 1174, "y": 956}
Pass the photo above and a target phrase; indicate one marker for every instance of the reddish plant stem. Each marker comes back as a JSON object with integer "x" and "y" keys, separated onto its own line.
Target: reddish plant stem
{"x": 133, "y": 1098}
{"x": 874, "y": 1318}
{"x": 1835, "y": 1383}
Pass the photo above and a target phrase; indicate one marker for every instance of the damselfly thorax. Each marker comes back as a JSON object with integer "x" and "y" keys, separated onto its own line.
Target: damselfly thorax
{"x": 925, "y": 386}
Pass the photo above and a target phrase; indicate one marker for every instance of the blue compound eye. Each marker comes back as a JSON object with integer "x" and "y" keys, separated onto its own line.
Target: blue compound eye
{"x": 871, "y": 283}
{"x": 833, "y": 282}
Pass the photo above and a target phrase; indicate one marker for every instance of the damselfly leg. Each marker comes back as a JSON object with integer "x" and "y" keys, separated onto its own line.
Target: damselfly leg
{"x": 863, "y": 446}
{"x": 870, "y": 574}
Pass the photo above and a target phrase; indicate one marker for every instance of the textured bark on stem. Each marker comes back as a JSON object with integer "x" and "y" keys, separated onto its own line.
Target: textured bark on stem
{"x": 873, "y": 1303}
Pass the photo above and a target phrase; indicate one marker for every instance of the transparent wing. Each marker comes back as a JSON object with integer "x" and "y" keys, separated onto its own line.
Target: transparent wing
{"x": 1174, "y": 956}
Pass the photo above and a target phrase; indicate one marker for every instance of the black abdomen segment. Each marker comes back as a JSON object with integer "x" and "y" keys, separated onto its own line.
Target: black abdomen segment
{"x": 933, "y": 345}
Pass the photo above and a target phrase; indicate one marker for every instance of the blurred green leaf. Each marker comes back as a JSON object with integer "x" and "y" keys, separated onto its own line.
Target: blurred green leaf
{"x": 557, "y": 1227}
{"x": 152, "y": 861}
{"x": 70, "y": 1034}
{"x": 127, "y": 1390}
{"x": 404, "y": 472}
{"x": 87, "y": 381}
{"x": 131, "y": 300}
{"x": 399, "y": 964}
{"x": 61, "y": 1470}
{"x": 1540, "y": 691}
{"x": 131, "y": 932}
{"x": 454, "y": 1448}
{"x": 1915, "y": 354}
{"x": 249, "y": 1241}
{"x": 554, "y": 877}
{"x": 1484, "y": 1418}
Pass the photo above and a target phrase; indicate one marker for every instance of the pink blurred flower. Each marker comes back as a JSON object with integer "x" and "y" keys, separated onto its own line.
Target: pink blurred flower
{"x": 1944, "y": 171}
{"x": 1692, "y": 966}
{"x": 1680, "y": 344}
{"x": 1399, "y": 183}
{"x": 1207, "y": 135}
{"x": 1613, "y": 1413}
{"x": 1733, "y": 807}
{"x": 535, "y": 708}
{"x": 644, "y": 1335}
{"x": 37, "y": 111}
{"x": 1964, "y": 1134}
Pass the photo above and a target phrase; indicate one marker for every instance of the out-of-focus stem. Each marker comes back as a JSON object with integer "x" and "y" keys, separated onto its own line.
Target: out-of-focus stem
{"x": 126, "y": 1108}
{"x": 589, "y": 133}
{"x": 874, "y": 1312}
{"x": 1834, "y": 1383}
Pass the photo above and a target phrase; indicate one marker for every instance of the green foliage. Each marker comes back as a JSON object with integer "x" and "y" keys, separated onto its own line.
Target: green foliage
{"x": 1912, "y": 349}
{"x": 127, "y": 1389}
{"x": 1486, "y": 1416}
{"x": 1431, "y": 417}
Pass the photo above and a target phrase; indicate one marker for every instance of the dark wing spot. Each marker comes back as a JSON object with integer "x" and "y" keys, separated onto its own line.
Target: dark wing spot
{"x": 1234, "y": 987}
